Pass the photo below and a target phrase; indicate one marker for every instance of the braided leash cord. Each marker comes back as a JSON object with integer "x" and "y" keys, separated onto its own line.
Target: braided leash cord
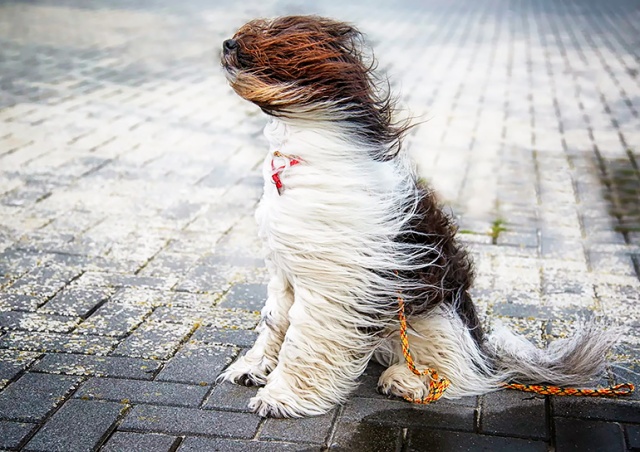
{"x": 438, "y": 385}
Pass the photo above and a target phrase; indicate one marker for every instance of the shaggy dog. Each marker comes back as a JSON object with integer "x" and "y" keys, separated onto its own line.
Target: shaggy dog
{"x": 348, "y": 228}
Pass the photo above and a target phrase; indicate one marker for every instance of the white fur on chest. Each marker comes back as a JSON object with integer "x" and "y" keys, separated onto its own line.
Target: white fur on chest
{"x": 337, "y": 205}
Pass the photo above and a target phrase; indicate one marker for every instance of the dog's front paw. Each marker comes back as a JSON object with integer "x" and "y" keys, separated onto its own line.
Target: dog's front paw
{"x": 245, "y": 372}
{"x": 265, "y": 404}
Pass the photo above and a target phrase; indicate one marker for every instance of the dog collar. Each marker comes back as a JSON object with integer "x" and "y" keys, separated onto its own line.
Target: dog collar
{"x": 279, "y": 163}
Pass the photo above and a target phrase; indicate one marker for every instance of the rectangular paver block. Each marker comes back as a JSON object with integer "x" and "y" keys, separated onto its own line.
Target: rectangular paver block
{"x": 13, "y": 433}
{"x": 156, "y": 340}
{"x": 310, "y": 429}
{"x": 131, "y": 441}
{"x": 185, "y": 421}
{"x": 513, "y": 413}
{"x": 597, "y": 408}
{"x": 443, "y": 413}
{"x": 33, "y": 395}
{"x": 197, "y": 363}
{"x": 79, "y": 425}
{"x": 194, "y": 444}
{"x": 421, "y": 439}
{"x": 138, "y": 391}
{"x": 230, "y": 396}
{"x": 588, "y": 436}
{"x": 99, "y": 366}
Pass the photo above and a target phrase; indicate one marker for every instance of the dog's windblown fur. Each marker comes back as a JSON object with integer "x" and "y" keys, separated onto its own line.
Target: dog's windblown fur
{"x": 350, "y": 229}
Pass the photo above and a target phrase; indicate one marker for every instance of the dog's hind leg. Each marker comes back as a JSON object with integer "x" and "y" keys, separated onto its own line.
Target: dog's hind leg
{"x": 321, "y": 358}
{"x": 252, "y": 368}
{"x": 442, "y": 342}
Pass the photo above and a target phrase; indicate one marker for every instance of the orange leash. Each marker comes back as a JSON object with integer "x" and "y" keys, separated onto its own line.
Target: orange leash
{"x": 438, "y": 385}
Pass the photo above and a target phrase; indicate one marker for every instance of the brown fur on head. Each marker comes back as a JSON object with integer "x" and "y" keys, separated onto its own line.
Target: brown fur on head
{"x": 309, "y": 67}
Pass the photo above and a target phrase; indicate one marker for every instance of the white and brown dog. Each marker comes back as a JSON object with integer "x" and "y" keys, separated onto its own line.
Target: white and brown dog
{"x": 347, "y": 226}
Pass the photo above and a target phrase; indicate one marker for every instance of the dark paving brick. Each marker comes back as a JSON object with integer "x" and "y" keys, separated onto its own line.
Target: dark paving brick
{"x": 443, "y": 413}
{"x": 229, "y": 396}
{"x": 147, "y": 442}
{"x": 13, "y": 433}
{"x": 311, "y": 429}
{"x": 55, "y": 342}
{"x": 32, "y": 321}
{"x": 99, "y": 366}
{"x": 32, "y": 396}
{"x": 597, "y": 408}
{"x": 138, "y": 391}
{"x": 633, "y": 436}
{"x": 185, "y": 421}
{"x": 113, "y": 319}
{"x": 513, "y": 413}
{"x": 44, "y": 281}
{"x": 354, "y": 436}
{"x": 197, "y": 363}
{"x": 213, "y": 335}
{"x": 22, "y": 302}
{"x": 424, "y": 440}
{"x": 79, "y": 425}
{"x": 539, "y": 312}
{"x": 245, "y": 296}
{"x": 191, "y": 444}
{"x": 12, "y": 363}
{"x": 588, "y": 436}
{"x": 77, "y": 300}
{"x": 155, "y": 340}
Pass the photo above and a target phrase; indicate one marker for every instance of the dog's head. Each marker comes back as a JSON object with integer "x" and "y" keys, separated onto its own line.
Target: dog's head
{"x": 309, "y": 67}
{"x": 298, "y": 63}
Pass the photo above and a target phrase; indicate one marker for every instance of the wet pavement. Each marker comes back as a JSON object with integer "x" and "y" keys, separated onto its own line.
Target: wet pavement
{"x": 130, "y": 272}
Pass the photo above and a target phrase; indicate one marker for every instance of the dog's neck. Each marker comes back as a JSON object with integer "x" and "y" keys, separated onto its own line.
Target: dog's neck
{"x": 320, "y": 142}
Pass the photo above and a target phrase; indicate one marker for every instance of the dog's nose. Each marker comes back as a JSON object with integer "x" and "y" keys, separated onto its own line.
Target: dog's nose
{"x": 229, "y": 44}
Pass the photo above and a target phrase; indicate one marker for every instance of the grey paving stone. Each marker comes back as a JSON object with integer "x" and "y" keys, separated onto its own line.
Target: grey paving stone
{"x": 137, "y": 391}
{"x": 189, "y": 421}
{"x": 12, "y": 363}
{"x": 428, "y": 440}
{"x": 19, "y": 301}
{"x": 588, "y": 436}
{"x": 633, "y": 436}
{"x": 311, "y": 430}
{"x": 539, "y": 312}
{"x": 213, "y": 335}
{"x": 99, "y": 366}
{"x": 228, "y": 396}
{"x": 250, "y": 297}
{"x": 364, "y": 436}
{"x": 77, "y": 300}
{"x": 442, "y": 413}
{"x": 223, "y": 318}
{"x": 513, "y": 413}
{"x": 79, "y": 425}
{"x": 113, "y": 319}
{"x": 197, "y": 363}
{"x": 155, "y": 340}
{"x": 55, "y": 342}
{"x": 618, "y": 410}
{"x": 13, "y": 433}
{"x": 194, "y": 444}
{"x": 130, "y": 441}
{"x": 30, "y": 321}
{"x": 32, "y": 396}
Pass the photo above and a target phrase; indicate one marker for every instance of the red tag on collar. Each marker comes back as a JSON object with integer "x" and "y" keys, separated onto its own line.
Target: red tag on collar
{"x": 276, "y": 171}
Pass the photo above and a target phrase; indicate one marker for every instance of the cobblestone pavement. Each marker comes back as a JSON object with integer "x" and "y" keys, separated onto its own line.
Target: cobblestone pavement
{"x": 130, "y": 274}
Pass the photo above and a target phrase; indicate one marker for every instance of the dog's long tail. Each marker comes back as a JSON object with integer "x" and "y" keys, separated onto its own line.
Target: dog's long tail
{"x": 565, "y": 362}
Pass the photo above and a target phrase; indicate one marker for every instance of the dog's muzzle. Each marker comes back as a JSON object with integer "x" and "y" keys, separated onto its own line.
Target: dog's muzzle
{"x": 229, "y": 45}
